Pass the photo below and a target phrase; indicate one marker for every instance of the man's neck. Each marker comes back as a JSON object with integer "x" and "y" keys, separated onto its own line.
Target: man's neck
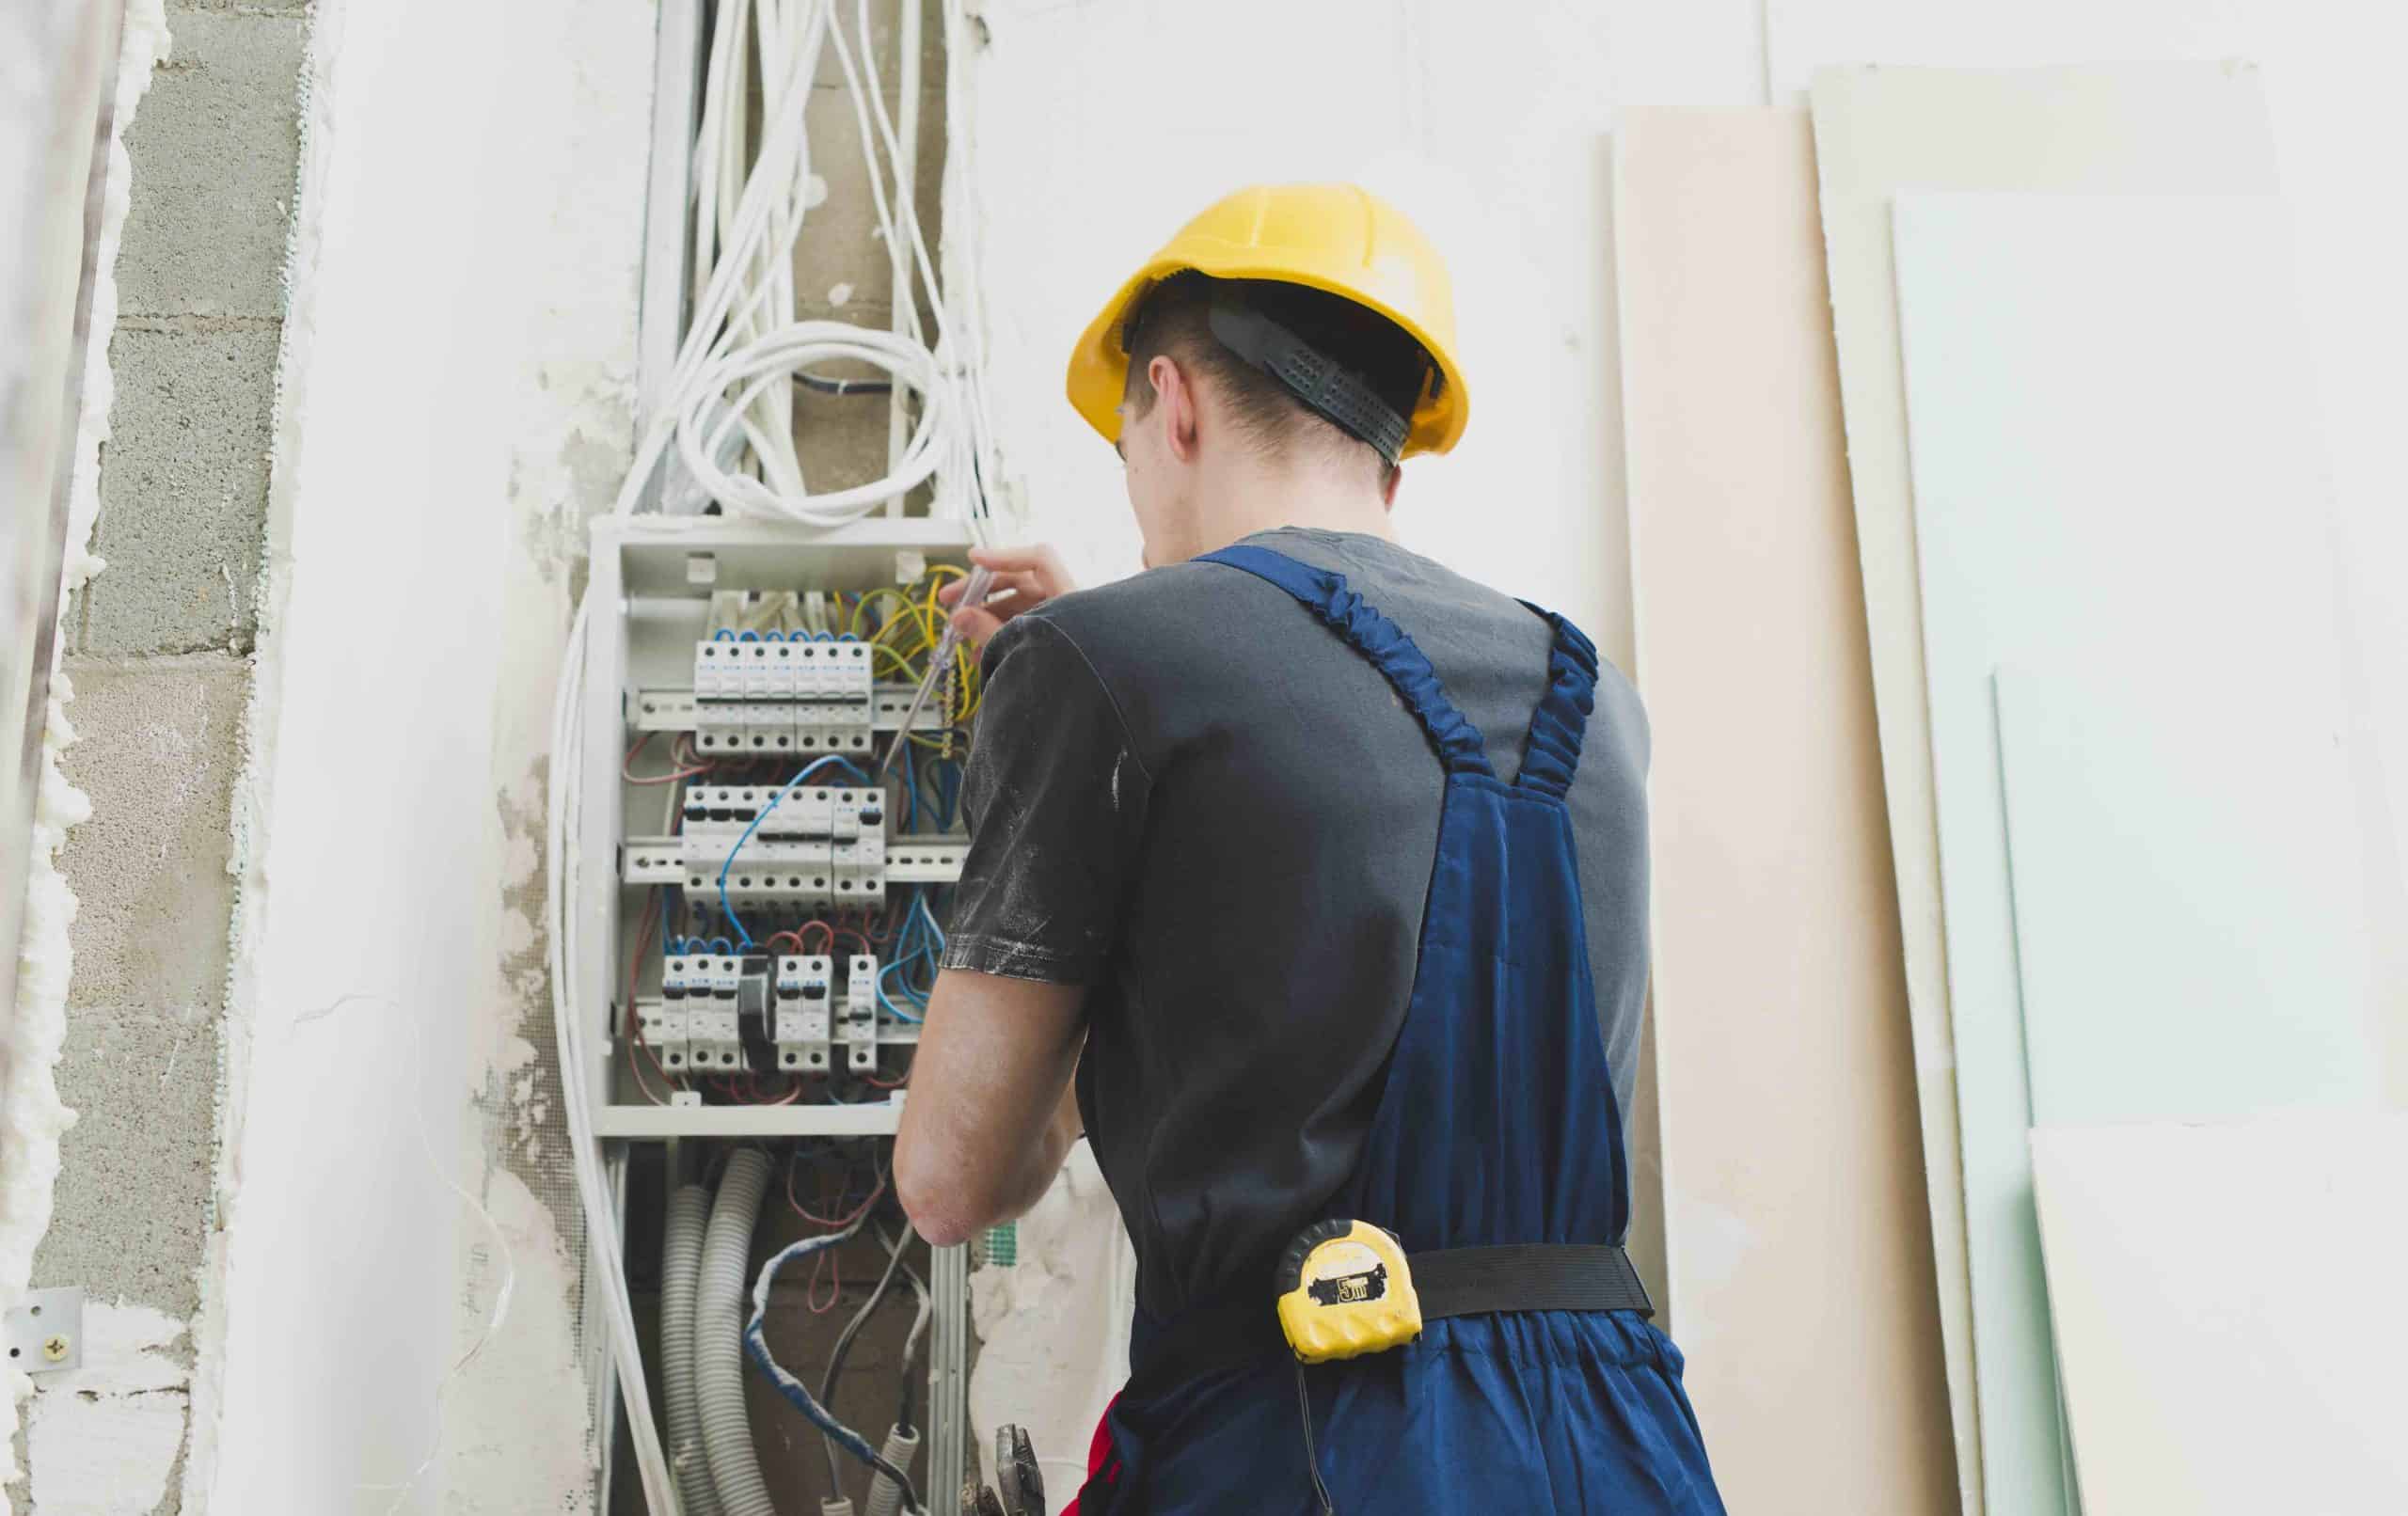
{"x": 1262, "y": 500}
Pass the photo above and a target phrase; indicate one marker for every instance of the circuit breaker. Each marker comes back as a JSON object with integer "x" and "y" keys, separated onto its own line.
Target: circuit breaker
{"x": 802, "y": 1014}
{"x": 860, "y": 1032}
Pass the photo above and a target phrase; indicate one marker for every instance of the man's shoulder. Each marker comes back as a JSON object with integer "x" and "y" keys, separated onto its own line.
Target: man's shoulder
{"x": 1176, "y": 592}
{"x": 1151, "y": 622}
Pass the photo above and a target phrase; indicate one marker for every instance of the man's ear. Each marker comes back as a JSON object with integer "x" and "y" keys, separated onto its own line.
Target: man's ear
{"x": 1174, "y": 397}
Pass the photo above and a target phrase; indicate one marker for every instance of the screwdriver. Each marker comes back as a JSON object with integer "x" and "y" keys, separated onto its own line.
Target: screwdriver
{"x": 973, "y": 594}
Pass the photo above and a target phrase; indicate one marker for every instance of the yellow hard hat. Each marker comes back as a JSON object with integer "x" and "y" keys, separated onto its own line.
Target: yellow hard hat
{"x": 1337, "y": 238}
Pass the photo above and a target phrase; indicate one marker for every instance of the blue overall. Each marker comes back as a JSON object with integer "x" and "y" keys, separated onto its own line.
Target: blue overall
{"x": 1496, "y": 1125}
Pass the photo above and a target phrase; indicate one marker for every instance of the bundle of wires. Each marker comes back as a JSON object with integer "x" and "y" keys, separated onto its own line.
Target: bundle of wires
{"x": 729, "y": 407}
{"x": 819, "y": 1408}
{"x": 910, "y": 972}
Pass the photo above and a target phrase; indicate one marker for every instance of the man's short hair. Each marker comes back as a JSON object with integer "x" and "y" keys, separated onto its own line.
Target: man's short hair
{"x": 1173, "y": 318}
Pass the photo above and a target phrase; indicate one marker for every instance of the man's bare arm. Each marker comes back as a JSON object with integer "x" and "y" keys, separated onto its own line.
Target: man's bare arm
{"x": 991, "y": 1115}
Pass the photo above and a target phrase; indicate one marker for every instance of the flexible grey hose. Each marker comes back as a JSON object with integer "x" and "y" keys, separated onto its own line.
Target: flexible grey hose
{"x": 681, "y": 1265}
{"x": 718, "y": 1342}
{"x": 885, "y": 1495}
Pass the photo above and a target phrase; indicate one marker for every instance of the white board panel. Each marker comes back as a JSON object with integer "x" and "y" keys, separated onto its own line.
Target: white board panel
{"x": 1799, "y": 1276}
{"x": 2228, "y": 1312}
{"x": 2330, "y": 71}
{"x": 2110, "y": 460}
{"x": 2190, "y": 930}
{"x": 2109, "y": 128}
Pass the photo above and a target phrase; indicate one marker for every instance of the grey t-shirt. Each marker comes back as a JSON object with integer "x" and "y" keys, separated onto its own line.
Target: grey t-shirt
{"x": 1184, "y": 791}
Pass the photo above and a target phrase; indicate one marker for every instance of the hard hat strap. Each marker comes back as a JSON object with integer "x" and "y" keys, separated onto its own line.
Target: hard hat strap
{"x": 1328, "y": 387}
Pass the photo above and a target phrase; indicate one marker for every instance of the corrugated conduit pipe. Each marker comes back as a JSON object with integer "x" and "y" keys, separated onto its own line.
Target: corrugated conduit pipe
{"x": 681, "y": 1267}
{"x": 719, "y": 1341}
{"x": 885, "y": 1495}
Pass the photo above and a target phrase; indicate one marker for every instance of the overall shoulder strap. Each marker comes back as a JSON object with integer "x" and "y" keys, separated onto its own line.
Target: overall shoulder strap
{"x": 1551, "y": 753}
{"x": 1382, "y": 643}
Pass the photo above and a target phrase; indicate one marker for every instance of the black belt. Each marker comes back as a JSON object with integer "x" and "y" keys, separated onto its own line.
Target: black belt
{"x": 1450, "y": 1281}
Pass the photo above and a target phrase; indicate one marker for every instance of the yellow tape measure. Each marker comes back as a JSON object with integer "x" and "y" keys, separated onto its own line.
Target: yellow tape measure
{"x": 1345, "y": 1290}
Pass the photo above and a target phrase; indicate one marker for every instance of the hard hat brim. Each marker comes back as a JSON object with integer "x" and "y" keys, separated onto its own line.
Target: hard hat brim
{"x": 1099, "y": 369}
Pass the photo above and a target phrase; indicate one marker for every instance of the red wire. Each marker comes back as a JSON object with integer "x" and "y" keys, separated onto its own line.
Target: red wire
{"x": 836, "y": 1222}
{"x": 829, "y": 932}
{"x": 674, "y": 774}
{"x": 835, "y": 1289}
{"x": 635, "y": 1028}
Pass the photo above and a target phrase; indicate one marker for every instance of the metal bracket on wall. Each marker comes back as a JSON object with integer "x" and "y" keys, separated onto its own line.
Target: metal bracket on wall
{"x": 44, "y": 1331}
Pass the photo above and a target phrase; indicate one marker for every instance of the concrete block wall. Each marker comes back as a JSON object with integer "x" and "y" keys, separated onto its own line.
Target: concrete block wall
{"x": 158, "y": 647}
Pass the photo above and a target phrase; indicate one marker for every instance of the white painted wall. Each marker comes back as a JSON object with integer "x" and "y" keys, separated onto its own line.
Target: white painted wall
{"x": 457, "y": 385}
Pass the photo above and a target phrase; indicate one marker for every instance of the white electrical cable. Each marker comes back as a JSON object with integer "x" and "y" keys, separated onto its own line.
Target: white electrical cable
{"x": 729, "y": 382}
{"x": 603, "y": 1232}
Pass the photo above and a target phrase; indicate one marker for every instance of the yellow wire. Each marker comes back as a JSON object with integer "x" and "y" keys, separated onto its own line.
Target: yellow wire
{"x": 862, "y": 607}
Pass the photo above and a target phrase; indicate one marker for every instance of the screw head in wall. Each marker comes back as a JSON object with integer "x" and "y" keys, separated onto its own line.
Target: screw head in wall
{"x": 55, "y": 1349}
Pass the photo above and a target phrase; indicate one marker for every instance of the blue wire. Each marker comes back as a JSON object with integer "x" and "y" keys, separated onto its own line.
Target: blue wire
{"x": 797, "y": 1394}
{"x": 748, "y": 636}
{"x": 722, "y": 635}
{"x": 791, "y": 785}
{"x": 919, "y": 941}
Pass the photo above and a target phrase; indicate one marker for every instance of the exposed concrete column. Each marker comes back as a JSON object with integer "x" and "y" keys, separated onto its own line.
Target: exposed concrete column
{"x": 158, "y": 647}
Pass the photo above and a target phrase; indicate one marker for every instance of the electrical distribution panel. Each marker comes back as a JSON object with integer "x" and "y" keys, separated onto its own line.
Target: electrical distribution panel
{"x": 781, "y": 848}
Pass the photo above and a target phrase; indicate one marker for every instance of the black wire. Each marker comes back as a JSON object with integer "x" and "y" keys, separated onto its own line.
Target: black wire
{"x": 844, "y": 1348}
{"x": 1312, "y": 1459}
{"x": 844, "y": 386}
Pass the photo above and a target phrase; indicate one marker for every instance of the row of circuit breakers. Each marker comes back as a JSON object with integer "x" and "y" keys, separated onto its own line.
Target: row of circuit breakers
{"x": 819, "y": 848}
{"x": 767, "y": 697}
{"x": 699, "y": 1022}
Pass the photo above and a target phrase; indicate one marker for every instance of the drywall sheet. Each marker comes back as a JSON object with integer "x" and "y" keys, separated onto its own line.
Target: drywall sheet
{"x": 2112, "y": 465}
{"x": 1799, "y": 1276}
{"x": 2107, "y": 128}
{"x": 2190, "y": 931}
{"x": 2227, "y": 1310}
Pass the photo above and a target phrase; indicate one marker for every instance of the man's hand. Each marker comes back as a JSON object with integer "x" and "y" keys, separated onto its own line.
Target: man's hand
{"x": 1024, "y": 577}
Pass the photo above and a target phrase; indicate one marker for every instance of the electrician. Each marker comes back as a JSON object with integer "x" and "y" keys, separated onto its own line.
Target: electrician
{"x": 1308, "y": 880}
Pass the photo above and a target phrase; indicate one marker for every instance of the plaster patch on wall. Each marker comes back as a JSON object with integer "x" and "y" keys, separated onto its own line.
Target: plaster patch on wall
{"x": 515, "y": 1424}
{"x": 32, "y": 1117}
{"x": 104, "y": 1438}
{"x": 517, "y": 1428}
